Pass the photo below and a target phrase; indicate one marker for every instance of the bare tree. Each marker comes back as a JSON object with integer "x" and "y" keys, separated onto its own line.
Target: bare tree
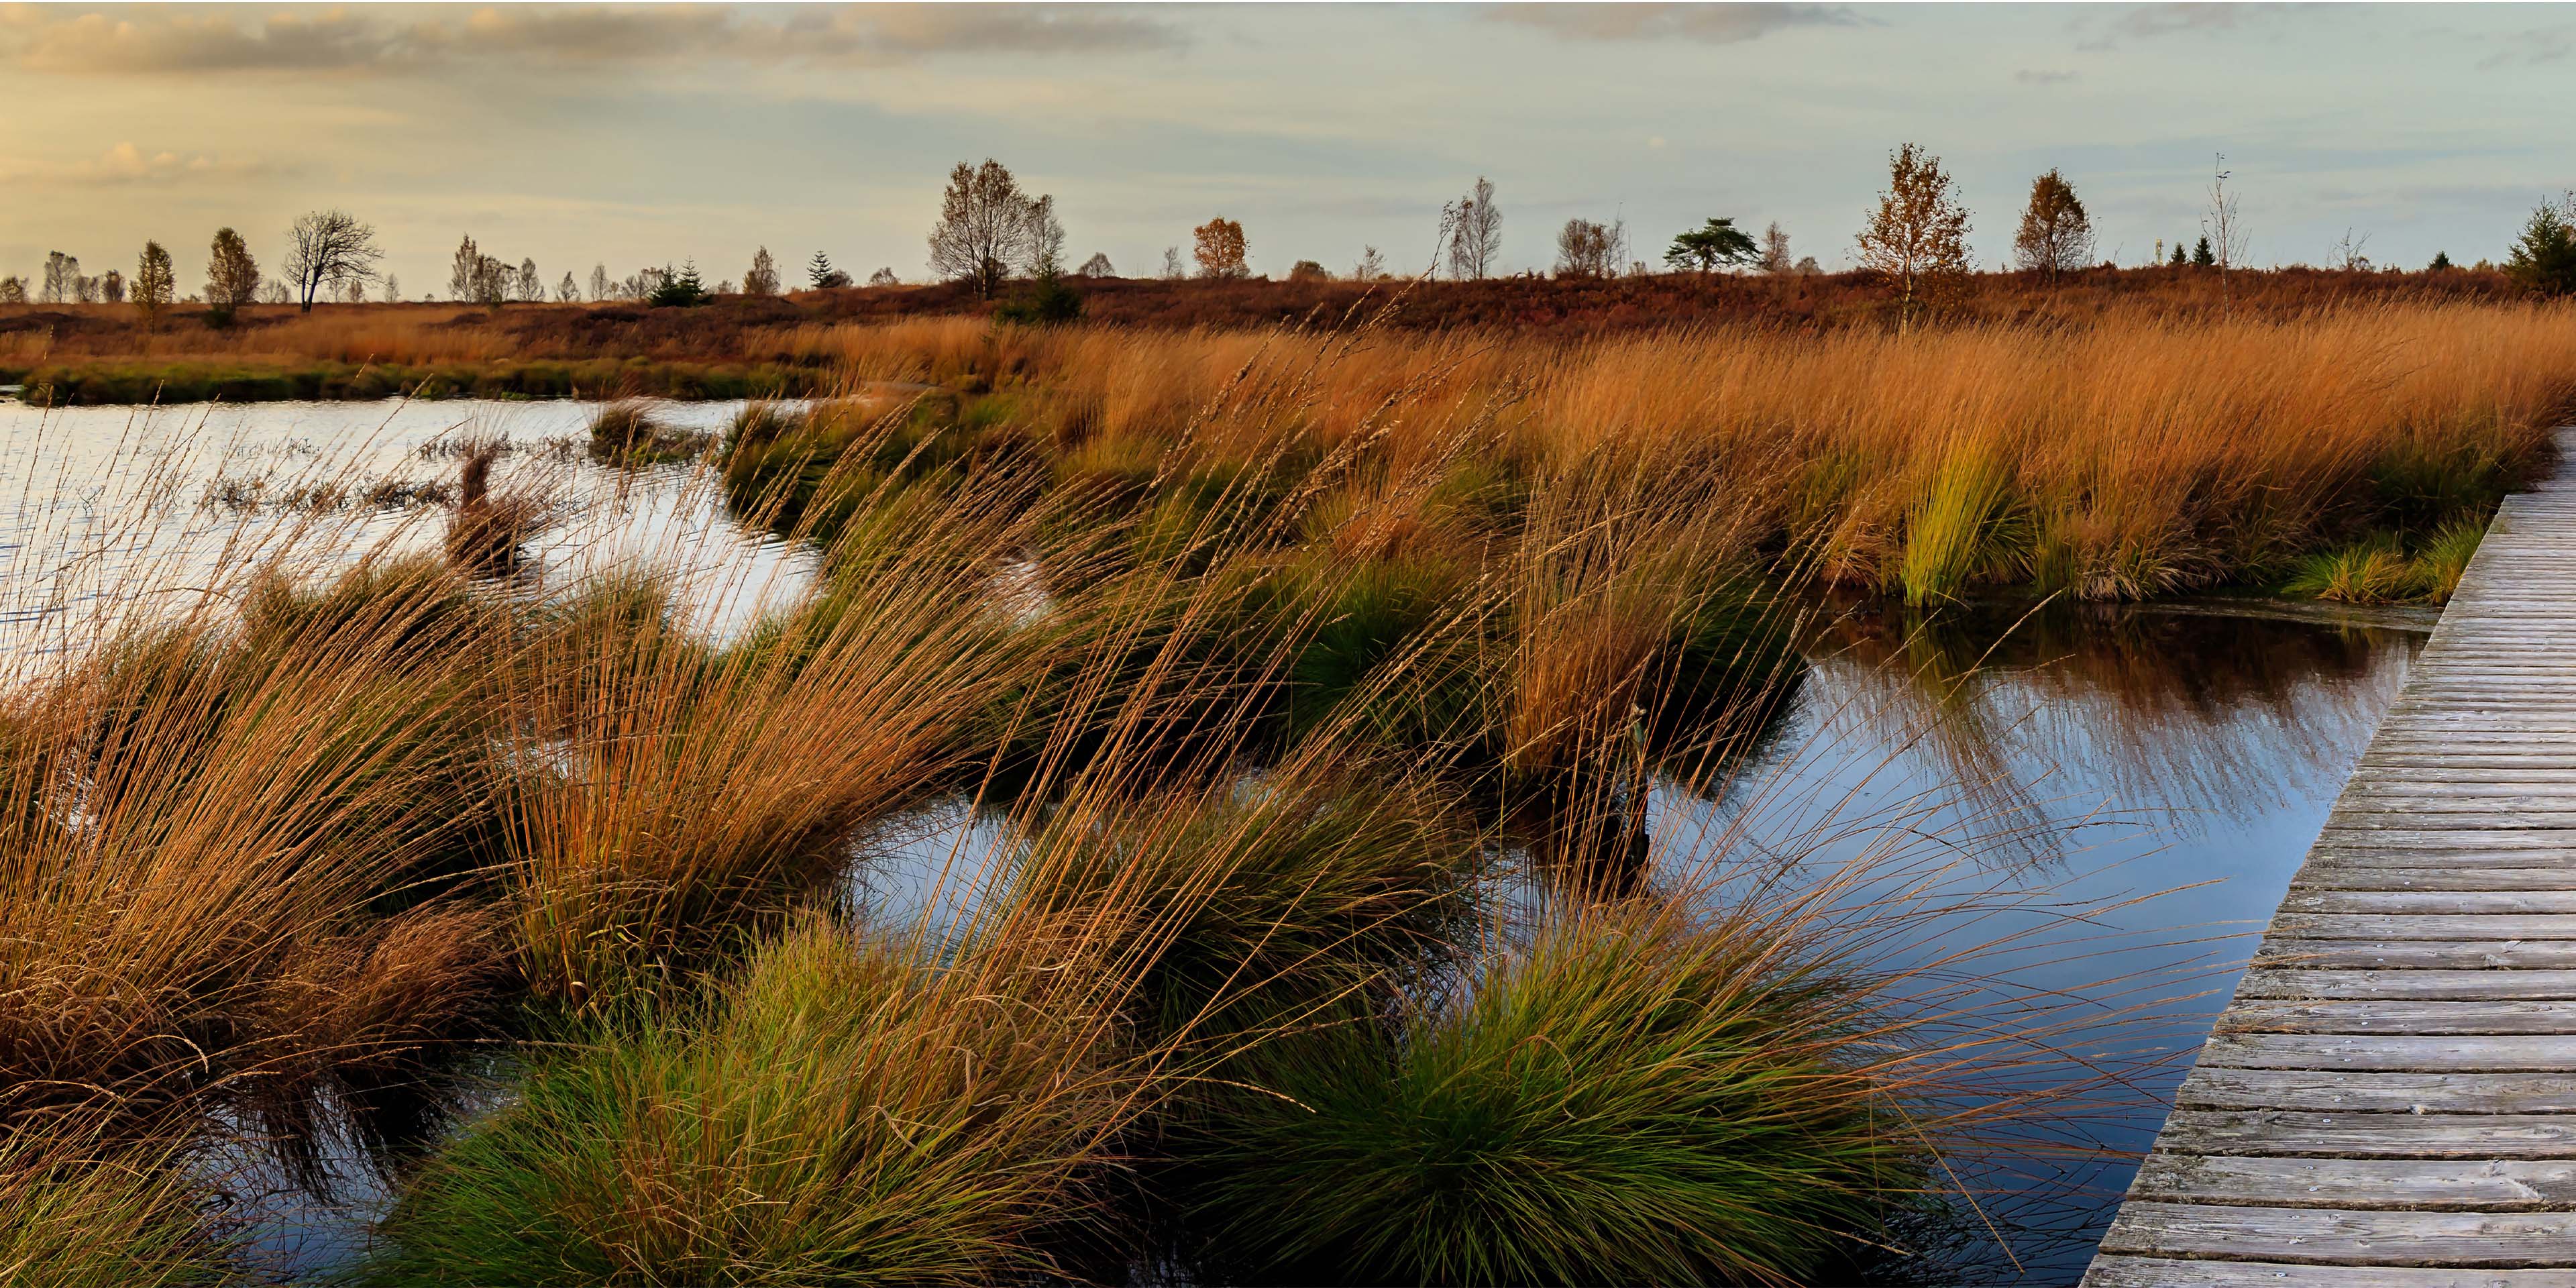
{"x": 763, "y": 277}
{"x": 13, "y": 289}
{"x": 62, "y": 279}
{"x": 1172, "y": 270}
{"x": 527, "y": 285}
{"x": 1587, "y": 249}
{"x": 989, "y": 230}
{"x": 2347, "y": 254}
{"x": 393, "y": 289}
{"x": 1775, "y": 249}
{"x": 154, "y": 282}
{"x": 884, "y": 277}
{"x": 1097, "y": 266}
{"x": 1219, "y": 248}
{"x": 353, "y": 291}
{"x": 462, "y": 269}
{"x": 2220, "y": 226}
{"x": 1473, "y": 226}
{"x": 600, "y": 286}
{"x": 2056, "y": 235}
{"x": 326, "y": 248}
{"x": 1918, "y": 236}
{"x": 273, "y": 291}
{"x": 1371, "y": 266}
{"x": 232, "y": 276}
{"x": 567, "y": 291}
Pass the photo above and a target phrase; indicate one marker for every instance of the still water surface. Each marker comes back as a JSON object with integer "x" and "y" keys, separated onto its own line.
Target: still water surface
{"x": 2057, "y": 765}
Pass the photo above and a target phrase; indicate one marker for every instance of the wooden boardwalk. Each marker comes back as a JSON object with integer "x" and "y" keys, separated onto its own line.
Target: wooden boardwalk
{"x": 2391, "y": 1097}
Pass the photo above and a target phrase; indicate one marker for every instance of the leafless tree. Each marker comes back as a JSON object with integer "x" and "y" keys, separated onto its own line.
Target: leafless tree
{"x": 154, "y": 282}
{"x": 1097, "y": 266}
{"x": 462, "y": 269}
{"x": 599, "y": 283}
{"x": 232, "y": 276}
{"x": 1918, "y": 236}
{"x": 989, "y": 230}
{"x": 1172, "y": 270}
{"x": 354, "y": 291}
{"x": 393, "y": 289}
{"x": 13, "y": 289}
{"x": 1775, "y": 249}
{"x": 85, "y": 289}
{"x": 527, "y": 285}
{"x": 884, "y": 277}
{"x": 273, "y": 291}
{"x": 327, "y": 248}
{"x": 1587, "y": 249}
{"x": 62, "y": 279}
{"x": 2226, "y": 232}
{"x": 763, "y": 277}
{"x": 1473, "y": 225}
{"x": 567, "y": 291}
{"x": 1371, "y": 266}
{"x": 111, "y": 287}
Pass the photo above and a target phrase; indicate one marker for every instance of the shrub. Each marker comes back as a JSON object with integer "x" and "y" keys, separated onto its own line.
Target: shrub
{"x": 845, "y": 1115}
{"x": 1634, "y": 1101}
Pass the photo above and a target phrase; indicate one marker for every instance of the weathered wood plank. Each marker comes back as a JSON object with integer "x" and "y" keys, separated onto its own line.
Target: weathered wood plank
{"x": 2385, "y": 876}
{"x": 2539, "y": 1053}
{"x": 2336, "y": 1237}
{"x": 2432, "y": 902}
{"x": 2219, "y": 1087}
{"x": 2415, "y": 985}
{"x": 2314, "y": 1134}
{"x": 2162, "y": 1272}
{"x": 2429, "y": 1185}
{"x": 2436, "y": 1018}
{"x": 2319, "y": 925}
{"x": 2291, "y": 952}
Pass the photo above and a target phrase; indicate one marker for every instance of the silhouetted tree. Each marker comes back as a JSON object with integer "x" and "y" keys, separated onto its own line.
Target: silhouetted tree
{"x": 1587, "y": 249}
{"x": 2543, "y": 258}
{"x": 232, "y": 276}
{"x": 1716, "y": 242}
{"x": 1097, "y": 266}
{"x": 1371, "y": 266}
{"x": 1307, "y": 270}
{"x": 763, "y": 277}
{"x": 154, "y": 282}
{"x": 1172, "y": 270}
{"x": 600, "y": 286}
{"x": 326, "y": 248}
{"x": 989, "y": 230}
{"x": 1775, "y": 249}
{"x": 111, "y": 288}
{"x": 567, "y": 291}
{"x": 882, "y": 277}
{"x": 1474, "y": 228}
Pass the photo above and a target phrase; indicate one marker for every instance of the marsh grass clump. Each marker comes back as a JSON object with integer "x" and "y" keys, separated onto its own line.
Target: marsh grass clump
{"x": 851, "y": 1111}
{"x": 485, "y": 531}
{"x": 83, "y": 1205}
{"x": 626, "y": 433}
{"x": 1624, "y": 1099}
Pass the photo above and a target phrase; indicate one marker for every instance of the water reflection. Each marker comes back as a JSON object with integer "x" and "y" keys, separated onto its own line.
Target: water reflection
{"x": 2024, "y": 775}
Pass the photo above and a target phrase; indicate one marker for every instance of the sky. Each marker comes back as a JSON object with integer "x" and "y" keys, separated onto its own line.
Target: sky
{"x": 636, "y": 136}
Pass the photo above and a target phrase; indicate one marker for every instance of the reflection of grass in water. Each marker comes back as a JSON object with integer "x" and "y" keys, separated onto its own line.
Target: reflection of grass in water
{"x": 2194, "y": 713}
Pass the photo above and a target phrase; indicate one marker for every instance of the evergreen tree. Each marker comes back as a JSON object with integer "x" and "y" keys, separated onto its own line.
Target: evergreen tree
{"x": 2544, "y": 257}
{"x": 2441, "y": 260}
{"x": 2180, "y": 256}
{"x": 2202, "y": 256}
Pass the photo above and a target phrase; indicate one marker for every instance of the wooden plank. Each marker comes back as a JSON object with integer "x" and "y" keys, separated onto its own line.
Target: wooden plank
{"x": 2428, "y": 1185}
{"x": 2290, "y": 952}
{"x": 2218, "y": 1087}
{"x": 2163, "y": 1272}
{"x": 2385, "y": 876}
{"x": 2454, "y": 1018}
{"x": 2308, "y": 925}
{"x": 2336, "y": 1237}
{"x": 2416, "y": 985}
{"x": 2433, "y": 902}
{"x": 2310, "y": 1133}
{"x": 2538, "y": 1053}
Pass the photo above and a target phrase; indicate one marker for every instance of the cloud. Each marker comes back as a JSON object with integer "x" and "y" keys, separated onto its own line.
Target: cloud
{"x": 126, "y": 164}
{"x": 2028, "y": 76}
{"x": 156, "y": 40}
{"x": 2534, "y": 47}
{"x": 2149, "y": 21}
{"x": 1712, "y": 24}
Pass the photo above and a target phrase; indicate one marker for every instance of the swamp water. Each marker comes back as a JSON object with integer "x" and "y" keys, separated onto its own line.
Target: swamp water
{"x": 2121, "y": 795}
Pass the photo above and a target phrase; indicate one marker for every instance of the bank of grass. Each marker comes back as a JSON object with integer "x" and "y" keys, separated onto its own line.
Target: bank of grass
{"x": 123, "y": 381}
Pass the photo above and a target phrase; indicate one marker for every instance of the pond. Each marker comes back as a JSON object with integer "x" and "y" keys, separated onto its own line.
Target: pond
{"x": 2124, "y": 794}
